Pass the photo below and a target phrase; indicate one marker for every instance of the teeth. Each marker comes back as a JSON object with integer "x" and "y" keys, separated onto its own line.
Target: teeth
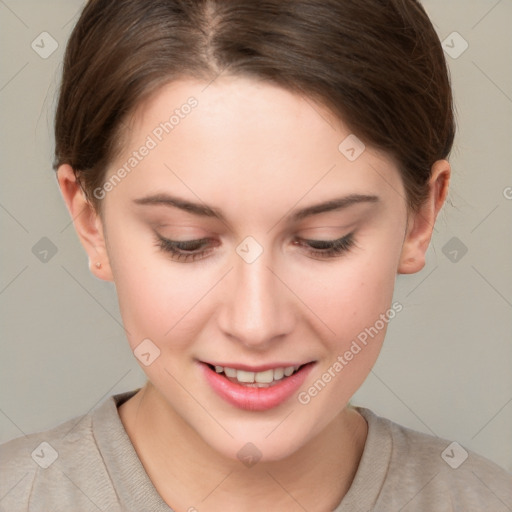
{"x": 278, "y": 373}
{"x": 243, "y": 376}
{"x": 289, "y": 370}
{"x": 265, "y": 377}
{"x": 230, "y": 372}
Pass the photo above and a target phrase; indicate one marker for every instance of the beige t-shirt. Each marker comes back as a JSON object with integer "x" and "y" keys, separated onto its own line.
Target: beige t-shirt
{"x": 89, "y": 464}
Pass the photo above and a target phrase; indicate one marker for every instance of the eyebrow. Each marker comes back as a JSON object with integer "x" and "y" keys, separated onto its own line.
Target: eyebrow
{"x": 204, "y": 210}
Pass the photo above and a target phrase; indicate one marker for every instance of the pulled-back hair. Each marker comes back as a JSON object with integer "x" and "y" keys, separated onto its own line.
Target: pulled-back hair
{"x": 377, "y": 65}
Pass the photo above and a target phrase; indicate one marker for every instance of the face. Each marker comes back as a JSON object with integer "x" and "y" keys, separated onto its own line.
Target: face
{"x": 253, "y": 277}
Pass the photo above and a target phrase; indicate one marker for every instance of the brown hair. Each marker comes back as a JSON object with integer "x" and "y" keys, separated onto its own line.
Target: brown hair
{"x": 376, "y": 64}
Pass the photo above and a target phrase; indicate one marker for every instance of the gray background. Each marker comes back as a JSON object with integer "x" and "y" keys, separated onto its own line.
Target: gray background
{"x": 445, "y": 368}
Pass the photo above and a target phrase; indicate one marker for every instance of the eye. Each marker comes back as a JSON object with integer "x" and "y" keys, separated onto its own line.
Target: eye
{"x": 328, "y": 248}
{"x": 192, "y": 250}
{"x": 183, "y": 251}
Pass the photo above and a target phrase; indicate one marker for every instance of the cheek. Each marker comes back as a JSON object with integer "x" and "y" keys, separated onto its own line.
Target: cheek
{"x": 354, "y": 300}
{"x": 355, "y": 303}
{"x": 351, "y": 294}
{"x": 156, "y": 297}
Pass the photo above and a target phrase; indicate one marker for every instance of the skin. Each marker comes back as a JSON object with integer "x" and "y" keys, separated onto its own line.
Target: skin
{"x": 257, "y": 152}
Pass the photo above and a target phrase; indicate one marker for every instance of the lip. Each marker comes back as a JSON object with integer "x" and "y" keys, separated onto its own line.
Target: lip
{"x": 259, "y": 368}
{"x": 255, "y": 399}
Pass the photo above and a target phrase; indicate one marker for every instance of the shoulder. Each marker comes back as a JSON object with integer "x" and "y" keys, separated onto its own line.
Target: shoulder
{"x": 426, "y": 472}
{"x": 58, "y": 469}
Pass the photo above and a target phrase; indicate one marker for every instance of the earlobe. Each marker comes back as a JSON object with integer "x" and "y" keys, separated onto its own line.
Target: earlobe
{"x": 87, "y": 222}
{"x": 420, "y": 224}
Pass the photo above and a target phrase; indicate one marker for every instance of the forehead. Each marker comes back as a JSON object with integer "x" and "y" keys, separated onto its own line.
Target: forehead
{"x": 247, "y": 111}
{"x": 247, "y": 138}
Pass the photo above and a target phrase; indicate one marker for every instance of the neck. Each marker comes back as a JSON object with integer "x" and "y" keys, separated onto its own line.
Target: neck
{"x": 188, "y": 473}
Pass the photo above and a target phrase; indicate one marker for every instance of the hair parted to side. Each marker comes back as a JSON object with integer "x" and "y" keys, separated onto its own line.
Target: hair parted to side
{"x": 377, "y": 65}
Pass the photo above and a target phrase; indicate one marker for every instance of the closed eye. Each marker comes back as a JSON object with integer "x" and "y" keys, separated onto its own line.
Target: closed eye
{"x": 192, "y": 250}
{"x": 331, "y": 248}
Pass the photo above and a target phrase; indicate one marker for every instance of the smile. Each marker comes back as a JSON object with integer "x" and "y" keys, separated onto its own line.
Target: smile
{"x": 255, "y": 389}
{"x": 260, "y": 379}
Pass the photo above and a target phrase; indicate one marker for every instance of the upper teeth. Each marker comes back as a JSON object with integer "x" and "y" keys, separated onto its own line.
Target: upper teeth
{"x": 264, "y": 377}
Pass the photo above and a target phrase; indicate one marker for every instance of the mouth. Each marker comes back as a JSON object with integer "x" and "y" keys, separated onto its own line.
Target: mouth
{"x": 257, "y": 379}
{"x": 255, "y": 388}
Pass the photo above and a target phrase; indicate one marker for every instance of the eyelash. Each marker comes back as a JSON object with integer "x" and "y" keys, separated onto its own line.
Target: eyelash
{"x": 324, "y": 248}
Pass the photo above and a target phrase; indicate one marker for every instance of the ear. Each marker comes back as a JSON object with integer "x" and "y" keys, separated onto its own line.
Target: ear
{"x": 420, "y": 225}
{"x": 87, "y": 223}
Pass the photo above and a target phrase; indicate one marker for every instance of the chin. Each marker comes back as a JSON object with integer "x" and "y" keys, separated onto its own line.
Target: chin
{"x": 251, "y": 444}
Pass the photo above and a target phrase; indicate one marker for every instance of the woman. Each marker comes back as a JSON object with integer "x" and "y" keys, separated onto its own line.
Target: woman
{"x": 252, "y": 177}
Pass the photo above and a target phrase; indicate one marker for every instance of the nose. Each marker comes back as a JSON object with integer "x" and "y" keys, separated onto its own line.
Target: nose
{"x": 257, "y": 310}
